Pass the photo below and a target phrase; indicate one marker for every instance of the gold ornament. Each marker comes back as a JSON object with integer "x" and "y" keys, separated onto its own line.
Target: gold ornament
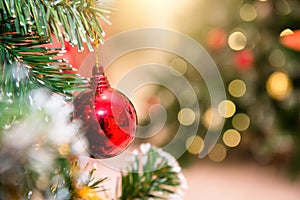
{"x": 87, "y": 193}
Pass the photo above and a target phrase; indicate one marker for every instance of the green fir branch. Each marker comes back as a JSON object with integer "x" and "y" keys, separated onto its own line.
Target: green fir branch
{"x": 86, "y": 179}
{"x": 61, "y": 179}
{"x": 76, "y": 21}
{"x": 26, "y": 65}
{"x": 27, "y": 25}
{"x": 150, "y": 176}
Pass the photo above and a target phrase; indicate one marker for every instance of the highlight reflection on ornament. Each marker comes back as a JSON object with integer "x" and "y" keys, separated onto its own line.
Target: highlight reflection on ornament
{"x": 109, "y": 118}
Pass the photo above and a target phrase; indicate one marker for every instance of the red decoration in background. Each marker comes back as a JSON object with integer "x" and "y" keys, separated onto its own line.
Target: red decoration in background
{"x": 243, "y": 59}
{"x": 292, "y": 40}
{"x": 109, "y": 118}
{"x": 75, "y": 57}
{"x": 71, "y": 53}
{"x": 216, "y": 38}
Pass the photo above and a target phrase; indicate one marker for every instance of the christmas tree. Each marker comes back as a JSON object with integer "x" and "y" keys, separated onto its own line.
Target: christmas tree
{"x": 41, "y": 139}
{"x": 261, "y": 75}
{"x": 255, "y": 46}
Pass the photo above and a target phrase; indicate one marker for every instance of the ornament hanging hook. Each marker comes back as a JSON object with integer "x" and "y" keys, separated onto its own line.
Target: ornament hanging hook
{"x": 97, "y": 69}
{"x": 96, "y": 43}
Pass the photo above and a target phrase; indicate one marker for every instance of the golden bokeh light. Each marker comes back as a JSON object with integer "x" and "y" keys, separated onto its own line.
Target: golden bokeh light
{"x": 279, "y": 86}
{"x": 231, "y": 138}
{"x": 237, "y": 41}
{"x": 277, "y": 58}
{"x": 179, "y": 65}
{"x": 218, "y": 153}
{"x": 248, "y": 12}
{"x": 241, "y": 122}
{"x": 186, "y": 116}
{"x": 212, "y": 120}
{"x": 64, "y": 149}
{"x": 226, "y": 108}
{"x": 237, "y": 88}
{"x": 194, "y": 144}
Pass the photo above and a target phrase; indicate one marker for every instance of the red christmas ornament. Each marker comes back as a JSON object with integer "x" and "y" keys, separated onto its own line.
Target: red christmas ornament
{"x": 109, "y": 118}
{"x": 291, "y": 40}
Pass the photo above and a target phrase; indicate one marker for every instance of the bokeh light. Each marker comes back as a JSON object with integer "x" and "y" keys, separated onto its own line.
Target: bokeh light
{"x": 237, "y": 41}
{"x": 226, "y": 108}
{"x": 241, "y": 122}
{"x": 277, "y": 58}
{"x": 283, "y": 7}
{"x": 207, "y": 119}
{"x": 244, "y": 59}
{"x": 237, "y": 88}
{"x": 186, "y": 116}
{"x": 279, "y": 86}
{"x": 194, "y": 144}
{"x": 248, "y": 12}
{"x": 64, "y": 149}
{"x": 218, "y": 153}
{"x": 231, "y": 138}
{"x": 179, "y": 65}
{"x": 216, "y": 38}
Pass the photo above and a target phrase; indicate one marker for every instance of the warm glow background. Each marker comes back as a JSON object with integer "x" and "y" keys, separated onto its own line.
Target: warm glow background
{"x": 232, "y": 179}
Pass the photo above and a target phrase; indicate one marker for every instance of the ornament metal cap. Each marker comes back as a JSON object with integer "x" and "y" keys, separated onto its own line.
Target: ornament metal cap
{"x": 99, "y": 82}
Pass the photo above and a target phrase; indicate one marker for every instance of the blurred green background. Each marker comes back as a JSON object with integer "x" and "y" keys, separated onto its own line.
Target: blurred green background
{"x": 250, "y": 42}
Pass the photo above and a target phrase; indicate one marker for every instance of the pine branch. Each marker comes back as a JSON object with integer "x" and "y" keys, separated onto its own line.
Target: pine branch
{"x": 76, "y": 21}
{"x": 33, "y": 161}
{"x": 27, "y": 25}
{"x": 26, "y": 65}
{"x": 155, "y": 174}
